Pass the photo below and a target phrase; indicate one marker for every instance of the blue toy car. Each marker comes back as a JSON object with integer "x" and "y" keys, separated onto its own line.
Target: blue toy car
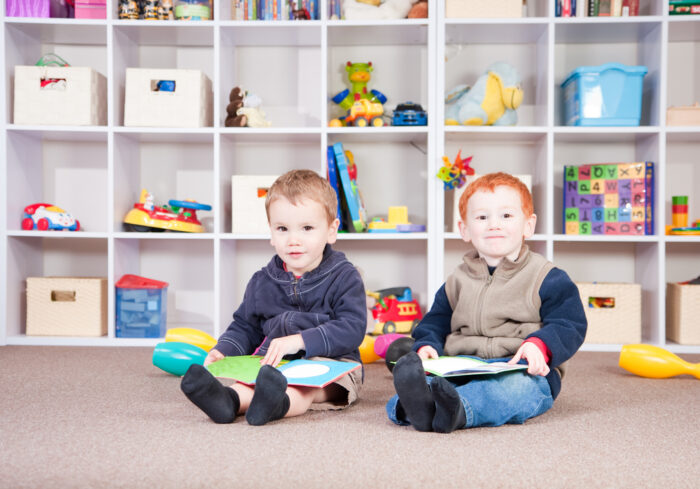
{"x": 409, "y": 114}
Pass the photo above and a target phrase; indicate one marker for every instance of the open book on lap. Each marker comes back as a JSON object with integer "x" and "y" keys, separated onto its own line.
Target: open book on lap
{"x": 305, "y": 373}
{"x": 460, "y": 366}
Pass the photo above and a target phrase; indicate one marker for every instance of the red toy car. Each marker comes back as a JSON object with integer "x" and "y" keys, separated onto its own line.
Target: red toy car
{"x": 395, "y": 311}
{"x": 47, "y": 217}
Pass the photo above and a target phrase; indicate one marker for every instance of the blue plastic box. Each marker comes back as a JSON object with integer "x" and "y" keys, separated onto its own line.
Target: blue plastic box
{"x": 605, "y": 95}
{"x": 141, "y": 307}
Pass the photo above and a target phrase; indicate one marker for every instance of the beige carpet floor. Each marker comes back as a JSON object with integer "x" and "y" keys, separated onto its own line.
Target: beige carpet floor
{"x": 105, "y": 417}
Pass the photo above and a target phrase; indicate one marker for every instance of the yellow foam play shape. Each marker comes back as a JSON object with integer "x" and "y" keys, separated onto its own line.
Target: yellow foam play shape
{"x": 367, "y": 350}
{"x": 192, "y": 336}
{"x": 655, "y": 362}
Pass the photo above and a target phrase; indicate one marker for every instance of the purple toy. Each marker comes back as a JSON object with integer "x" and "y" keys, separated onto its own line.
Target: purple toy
{"x": 27, "y": 8}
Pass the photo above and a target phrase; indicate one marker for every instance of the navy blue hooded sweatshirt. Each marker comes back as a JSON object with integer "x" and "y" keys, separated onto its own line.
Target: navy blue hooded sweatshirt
{"x": 326, "y": 305}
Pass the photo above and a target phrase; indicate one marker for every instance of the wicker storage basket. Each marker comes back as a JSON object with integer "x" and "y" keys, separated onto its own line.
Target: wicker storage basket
{"x": 683, "y": 313}
{"x": 66, "y": 306}
{"x": 613, "y": 310}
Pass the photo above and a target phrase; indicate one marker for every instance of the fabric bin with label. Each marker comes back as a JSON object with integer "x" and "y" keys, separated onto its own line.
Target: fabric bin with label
{"x": 60, "y": 95}
{"x": 66, "y": 306}
{"x": 613, "y": 311}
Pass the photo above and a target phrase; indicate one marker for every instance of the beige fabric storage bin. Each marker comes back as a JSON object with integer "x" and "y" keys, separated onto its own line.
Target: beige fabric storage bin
{"x": 189, "y": 105}
{"x": 483, "y": 8}
{"x": 683, "y": 313}
{"x": 248, "y": 193}
{"x": 620, "y": 320}
{"x": 683, "y": 116}
{"x": 82, "y": 102}
{"x": 66, "y": 306}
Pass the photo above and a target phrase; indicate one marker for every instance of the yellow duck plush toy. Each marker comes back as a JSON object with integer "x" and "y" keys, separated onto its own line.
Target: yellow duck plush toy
{"x": 491, "y": 101}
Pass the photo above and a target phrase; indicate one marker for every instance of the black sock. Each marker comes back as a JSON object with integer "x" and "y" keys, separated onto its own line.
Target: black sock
{"x": 270, "y": 399}
{"x": 219, "y": 402}
{"x": 449, "y": 411}
{"x": 414, "y": 392}
{"x": 396, "y": 350}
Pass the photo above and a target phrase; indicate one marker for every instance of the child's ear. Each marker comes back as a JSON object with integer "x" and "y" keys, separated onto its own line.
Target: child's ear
{"x": 333, "y": 231}
{"x": 463, "y": 231}
{"x": 529, "y": 228}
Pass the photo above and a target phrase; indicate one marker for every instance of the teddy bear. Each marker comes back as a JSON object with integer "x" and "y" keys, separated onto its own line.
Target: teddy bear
{"x": 491, "y": 101}
{"x": 243, "y": 110}
{"x": 235, "y": 102}
{"x": 386, "y": 9}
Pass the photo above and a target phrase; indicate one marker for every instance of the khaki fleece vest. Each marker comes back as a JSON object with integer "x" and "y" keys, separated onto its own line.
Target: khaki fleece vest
{"x": 492, "y": 314}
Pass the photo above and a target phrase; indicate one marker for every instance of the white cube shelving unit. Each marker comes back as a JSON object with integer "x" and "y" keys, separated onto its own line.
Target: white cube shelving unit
{"x": 97, "y": 173}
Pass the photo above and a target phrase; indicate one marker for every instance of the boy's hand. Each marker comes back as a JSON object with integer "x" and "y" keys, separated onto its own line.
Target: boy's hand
{"x": 213, "y": 356}
{"x": 535, "y": 359}
{"x": 427, "y": 351}
{"x": 280, "y": 347}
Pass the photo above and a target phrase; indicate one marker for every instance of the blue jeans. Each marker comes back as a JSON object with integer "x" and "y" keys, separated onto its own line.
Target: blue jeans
{"x": 494, "y": 400}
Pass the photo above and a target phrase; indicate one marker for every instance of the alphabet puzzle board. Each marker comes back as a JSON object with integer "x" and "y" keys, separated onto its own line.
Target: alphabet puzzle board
{"x": 609, "y": 198}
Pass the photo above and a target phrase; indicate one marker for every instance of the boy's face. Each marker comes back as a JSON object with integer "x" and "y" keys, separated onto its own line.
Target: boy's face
{"x": 496, "y": 225}
{"x": 300, "y": 233}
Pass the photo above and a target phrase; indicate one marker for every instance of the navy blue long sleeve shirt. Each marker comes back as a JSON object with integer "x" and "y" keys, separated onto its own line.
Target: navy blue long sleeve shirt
{"x": 563, "y": 323}
{"x": 327, "y": 306}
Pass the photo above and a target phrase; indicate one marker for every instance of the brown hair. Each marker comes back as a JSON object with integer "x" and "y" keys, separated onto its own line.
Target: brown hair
{"x": 296, "y": 185}
{"x": 489, "y": 183}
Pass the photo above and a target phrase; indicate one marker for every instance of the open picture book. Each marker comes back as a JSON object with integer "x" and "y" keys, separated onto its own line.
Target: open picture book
{"x": 306, "y": 373}
{"x": 459, "y": 366}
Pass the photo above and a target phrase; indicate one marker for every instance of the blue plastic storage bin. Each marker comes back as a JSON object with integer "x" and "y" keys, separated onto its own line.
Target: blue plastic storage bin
{"x": 605, "y": 95}
{"x": 141, "y": 307}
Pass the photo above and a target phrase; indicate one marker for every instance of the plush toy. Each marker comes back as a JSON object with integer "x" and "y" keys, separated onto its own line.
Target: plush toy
{"x": 235, "y": 102}
{"x": 387, "y": 9}
{"x": 243, "y": 110}
{"x": 419, "y": 10}
{"x": 491, "y": 101}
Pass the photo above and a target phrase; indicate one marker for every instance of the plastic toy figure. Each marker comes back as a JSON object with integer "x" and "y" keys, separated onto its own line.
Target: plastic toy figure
{"x": 46, "y": 217}
{"x": 179, "y": 215}
{"x": 395, "y": 311}
{"x": 362, "y": 107}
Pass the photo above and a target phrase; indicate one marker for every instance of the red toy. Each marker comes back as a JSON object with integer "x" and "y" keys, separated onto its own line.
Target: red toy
{"x": 45, "y": 217}
{"x": 179, "y": 215}
{"x": 395, "y": 311}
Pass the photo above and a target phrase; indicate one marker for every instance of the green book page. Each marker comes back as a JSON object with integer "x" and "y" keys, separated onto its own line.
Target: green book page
{"x": 243, "y": 368}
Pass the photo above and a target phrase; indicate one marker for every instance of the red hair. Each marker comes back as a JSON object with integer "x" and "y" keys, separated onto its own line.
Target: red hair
{"x": 489, "y": 183}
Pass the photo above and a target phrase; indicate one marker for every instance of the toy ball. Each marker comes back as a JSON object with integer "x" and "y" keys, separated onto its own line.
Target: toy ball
{"x": 367, "y": 350}
{"x": 192, "y": 336}
{"x": 175, "y": 357}
{"x": 381, "y": 344}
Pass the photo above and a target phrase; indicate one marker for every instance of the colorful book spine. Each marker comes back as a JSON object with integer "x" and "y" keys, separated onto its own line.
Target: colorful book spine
{"x": 333, "y": 180}
{"x": 609, "y": 198}
{"x": 593, "y": 8}
{"x": 352, "y": 198}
